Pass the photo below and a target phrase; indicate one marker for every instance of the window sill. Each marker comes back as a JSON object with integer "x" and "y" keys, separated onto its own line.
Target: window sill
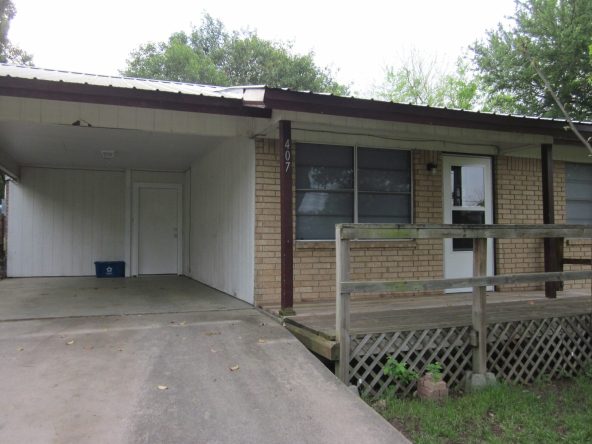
{"x": 365, "y": 244}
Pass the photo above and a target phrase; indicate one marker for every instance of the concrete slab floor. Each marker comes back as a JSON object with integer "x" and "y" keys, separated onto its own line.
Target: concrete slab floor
{"x": 36, "y": 298}
{"x": 206, "y": 375}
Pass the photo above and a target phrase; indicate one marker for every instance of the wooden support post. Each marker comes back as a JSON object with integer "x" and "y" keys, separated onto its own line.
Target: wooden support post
{"x": 342, "y": 316}
{"x": 286, "y": 220}
{"x": 479, "y": 307}
{"x": 550, "y": 245}
{"x": 560, "y": 245}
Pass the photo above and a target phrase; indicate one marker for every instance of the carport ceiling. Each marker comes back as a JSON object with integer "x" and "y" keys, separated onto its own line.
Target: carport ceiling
{"x": 78, "y": 146}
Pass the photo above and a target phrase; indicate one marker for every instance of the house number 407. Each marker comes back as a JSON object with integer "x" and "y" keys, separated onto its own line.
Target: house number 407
{"x": 287, "y": 155}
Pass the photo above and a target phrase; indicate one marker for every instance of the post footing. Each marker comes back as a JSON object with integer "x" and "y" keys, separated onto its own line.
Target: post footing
{"x": 287, "y": 312}
{"x": 479, "y": 381}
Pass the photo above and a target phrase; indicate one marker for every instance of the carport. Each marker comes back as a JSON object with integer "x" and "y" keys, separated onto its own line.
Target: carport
{"x": 160, "y": 175}
{"x": 79, "y": 297}
{"x": 162, "y": 359}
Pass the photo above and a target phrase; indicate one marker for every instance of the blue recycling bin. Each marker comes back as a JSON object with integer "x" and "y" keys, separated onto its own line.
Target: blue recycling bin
{"x": 110, "y": 269}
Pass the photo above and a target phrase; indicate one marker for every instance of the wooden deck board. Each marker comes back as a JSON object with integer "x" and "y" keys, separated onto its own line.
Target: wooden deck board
{"x": 418, "y": 313}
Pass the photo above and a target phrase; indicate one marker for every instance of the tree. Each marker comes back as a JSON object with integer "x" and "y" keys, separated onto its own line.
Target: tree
{"x": 212, "y": 55}
{"x": 421, "y": 81}
{"x": 10, "y": 53}
{"x": 174, "y": 60}
{"x": 555, "y": 35}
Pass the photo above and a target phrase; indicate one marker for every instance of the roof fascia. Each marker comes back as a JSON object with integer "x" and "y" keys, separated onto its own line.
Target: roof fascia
{"x": 387, "y": 111}
{"x": 108, "y": 95}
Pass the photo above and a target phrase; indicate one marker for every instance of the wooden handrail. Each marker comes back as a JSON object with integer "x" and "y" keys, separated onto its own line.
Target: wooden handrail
{"x": 443, "y": 231}
{"x": 569, "y": 261}
{"x": 344, "y": 233}
{"x": 443, "y": 284}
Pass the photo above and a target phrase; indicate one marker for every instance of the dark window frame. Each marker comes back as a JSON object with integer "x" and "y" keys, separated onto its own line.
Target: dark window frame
{"x": 356, "y": 191}
{"x": 569, "y": 187}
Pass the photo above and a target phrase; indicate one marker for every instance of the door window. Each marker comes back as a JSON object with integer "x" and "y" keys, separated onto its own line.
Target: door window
{"x": 467, "y": 183}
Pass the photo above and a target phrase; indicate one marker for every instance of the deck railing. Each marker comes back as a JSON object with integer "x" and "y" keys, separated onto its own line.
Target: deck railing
{"x": 345, "y": 233}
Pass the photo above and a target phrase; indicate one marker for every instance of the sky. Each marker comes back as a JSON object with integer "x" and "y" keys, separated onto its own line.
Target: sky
{"x": 356, "y": 39}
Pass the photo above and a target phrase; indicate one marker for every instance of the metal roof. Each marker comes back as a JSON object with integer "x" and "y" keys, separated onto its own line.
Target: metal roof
{"x": 33, "y": 73}
{"x": 248, "y": 97}
{"x": 431, "y": 107}
{"x": 230, "y": 92}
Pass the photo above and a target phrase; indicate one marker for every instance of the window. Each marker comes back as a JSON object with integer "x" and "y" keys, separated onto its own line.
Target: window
{"x": 337, "y": 184}
{"x": 467, "y": 183}
{"x": 578, "y": 193}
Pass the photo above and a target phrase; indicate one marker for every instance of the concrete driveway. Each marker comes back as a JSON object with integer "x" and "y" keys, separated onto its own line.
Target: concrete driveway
{"x": 162, "y": 360}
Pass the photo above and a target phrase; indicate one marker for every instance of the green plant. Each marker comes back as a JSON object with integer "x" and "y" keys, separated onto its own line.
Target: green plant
{"x": 435, "y": 369}
{"x": 557, "y": 411}
{"x": 588, "y": 369}
{"x": 543, "y": 379}
{"x": 399, "y": 371}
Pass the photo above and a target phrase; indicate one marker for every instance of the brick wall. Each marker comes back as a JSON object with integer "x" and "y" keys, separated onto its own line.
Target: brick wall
{"x": 314, "y": 262}
{"x": 267, "y": 223}
{"x": 519, "y": 200}
{"x": 577, "y": 249}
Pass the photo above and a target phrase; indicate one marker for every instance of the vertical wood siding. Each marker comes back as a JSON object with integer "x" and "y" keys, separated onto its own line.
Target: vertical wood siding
{"x": 62, "y": 220}
{"x": 223, "y": 218}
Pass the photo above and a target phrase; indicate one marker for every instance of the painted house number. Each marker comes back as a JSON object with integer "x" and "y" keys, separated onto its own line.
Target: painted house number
{"x": 287, "y": 155}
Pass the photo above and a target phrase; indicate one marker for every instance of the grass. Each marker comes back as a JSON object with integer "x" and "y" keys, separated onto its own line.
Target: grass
{"x": 546, "y": 412}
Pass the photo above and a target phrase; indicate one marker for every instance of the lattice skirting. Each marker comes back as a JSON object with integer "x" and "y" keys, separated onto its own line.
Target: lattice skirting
{"x": 417, "y": 348}
{"x": 521, "y": 352}
{"x": 518, "y": 352}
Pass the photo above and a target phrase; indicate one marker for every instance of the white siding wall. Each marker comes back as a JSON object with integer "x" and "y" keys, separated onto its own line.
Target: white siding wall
{"x": 62, "y": 220}
{"x": 223, "y": 218}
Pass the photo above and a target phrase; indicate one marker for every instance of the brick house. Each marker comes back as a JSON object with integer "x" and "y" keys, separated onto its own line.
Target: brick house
{"x": 229, "y": 185}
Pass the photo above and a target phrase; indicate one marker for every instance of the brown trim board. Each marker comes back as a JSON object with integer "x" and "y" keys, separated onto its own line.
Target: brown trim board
{"x": 396, "y": 112}
{"x": 109, "y": 95}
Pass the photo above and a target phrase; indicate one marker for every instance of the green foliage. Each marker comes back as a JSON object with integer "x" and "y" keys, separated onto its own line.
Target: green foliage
{"x": 414, "y": 83}
{"x": 399, "y": 371}
{"x": 420, "y": 82}
{"x": 212, "y": 55}
{"x": 435, "y": 369}
{"x": 10, "y": 53}
{"x": 554, "y": 34}
{"x": 174, "y": 60}
{"x": 545, "y": 413}
{"x": 588, "y": 369}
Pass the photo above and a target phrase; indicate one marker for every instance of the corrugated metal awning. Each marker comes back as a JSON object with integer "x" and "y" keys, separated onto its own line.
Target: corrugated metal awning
{"x": 28, "y": 72}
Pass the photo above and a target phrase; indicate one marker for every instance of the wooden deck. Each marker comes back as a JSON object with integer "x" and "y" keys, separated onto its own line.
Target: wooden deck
{"x": 314, "y": 323}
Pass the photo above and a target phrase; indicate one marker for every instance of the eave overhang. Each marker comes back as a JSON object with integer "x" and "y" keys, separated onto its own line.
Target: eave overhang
{"x": 109, "y": 95}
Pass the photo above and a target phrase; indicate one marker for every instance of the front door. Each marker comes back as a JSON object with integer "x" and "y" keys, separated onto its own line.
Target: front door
{"x": 467, "y": 200}
{"x": 158, "y": 230}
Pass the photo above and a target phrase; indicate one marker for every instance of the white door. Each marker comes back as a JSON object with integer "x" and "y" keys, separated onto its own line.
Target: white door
{"x": 158, "y": 230}
{"x": 467, "y": 200}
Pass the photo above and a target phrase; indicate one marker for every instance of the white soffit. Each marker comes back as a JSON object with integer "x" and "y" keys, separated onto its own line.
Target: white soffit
{"x": 82, "y": 147}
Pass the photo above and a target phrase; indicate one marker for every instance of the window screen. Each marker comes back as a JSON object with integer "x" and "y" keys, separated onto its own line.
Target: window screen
{"x": 327, "y": 183}
{"x": 324, "y": 189}
{"x": 384, "y": 186}
{"x": 578, "y": 193}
